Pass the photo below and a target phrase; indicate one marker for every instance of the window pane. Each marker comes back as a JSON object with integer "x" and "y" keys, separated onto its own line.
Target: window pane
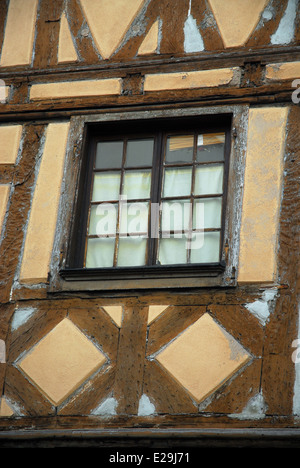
{"x": 205, "y": 247}
{"x": 175, "y": 215}
{"x": 106, "y": 186}
{"x": 137, "y": 184}
{"x": 209, "y": 179}
{"x": 210, "y": 147}
{"x": 132, "y": 251}
{"x": 177, "y": 182}
{"x": 172, "y": 250}
{"x": 134, "y": 217}
{"x": 139, "y": 153}
{"x": 100, "y": 253}
{"x": 103, "y": 219}
{"x": 109, "y": 154}
{"x": 180, "y": 149}
{"x": 207, "y": 213}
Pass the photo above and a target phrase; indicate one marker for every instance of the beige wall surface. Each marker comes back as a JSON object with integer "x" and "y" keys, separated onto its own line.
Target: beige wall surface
{"x": 262, "y": 194}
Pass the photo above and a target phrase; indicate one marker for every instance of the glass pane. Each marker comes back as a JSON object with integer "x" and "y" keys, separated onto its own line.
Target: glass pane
{"x": 175, "y": 215}
{"x": 205, "y": 247}
{"x": 177, "y": 182}
{"x": 132, "y": 251}
{"x": 100, "y": 253}
{"x": 103, "y": 219}
{"x": 134, "y": 217}
{"x": 180, "y": 149}
{"x": 210, "y": 147}
{"x": 209, "y": 179}
{"x": 137, "y": 184}
{"x": 106, "y": 186}
{"x": 172, "y": 250}
{"x": 109, "y": 154}
{"x": 139, "y": 153}
{"x": 207, "y": 213}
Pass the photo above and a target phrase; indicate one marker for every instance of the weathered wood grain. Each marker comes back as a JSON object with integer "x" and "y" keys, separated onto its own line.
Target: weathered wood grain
{"x": 168, "y": 396}
{"x": 233, "y": 397}
{"x": 98, "y": 327}
{"x": 48, "y": 24}
{"x": 26, "y": 396}
{"x": 23, "y": 180}
{"x": 131, "y": 356}
{"x": 97, "y": 388}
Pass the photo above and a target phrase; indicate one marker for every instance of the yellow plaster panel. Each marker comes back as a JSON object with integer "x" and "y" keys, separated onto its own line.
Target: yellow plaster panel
{"x": 71, "y": 89}
{"x": 236, "y": 19}
{"x": 66, "y": 49}
{"x": 203, "y": 357}
{"x": 10, "y": 136}
{"x": 43, "y": 215}
{"x": 116, "y": 313}
{"x": 282, "y": 71}
{"x": 149, "y": 44}
{"x": 155, "y": 311}
{"x": 109, "y": 21}
{"x": 61, "y": 361}
{"x": 5, "y": 409}
{"x": 189, "y": 80}
{"x": 262, "y": 193}
{"x": 19, "y": 33}
{"x": 4, "y": 195}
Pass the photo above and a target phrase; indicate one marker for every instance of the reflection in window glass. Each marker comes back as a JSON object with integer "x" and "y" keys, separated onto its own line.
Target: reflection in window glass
{"x": 180, "y": 149}
{"x": 109, "y": 155}
{"x": 139, "y": 153}
{"x": 210, "y": 147}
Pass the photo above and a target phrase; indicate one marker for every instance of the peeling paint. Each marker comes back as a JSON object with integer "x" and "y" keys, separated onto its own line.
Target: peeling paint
{"x": 255, "y": 409}
{"x": 21, "y": 316}
{"x": 106, "y": 408}
{"x": 262, "y": 307}
{"x": 146, "y": 408}
{"x": 286, "y": 29}
{"x": 267, "y": 14}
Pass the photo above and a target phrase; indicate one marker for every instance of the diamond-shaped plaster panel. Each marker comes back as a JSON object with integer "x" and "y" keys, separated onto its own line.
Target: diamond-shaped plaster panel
{"x": 61, "y": 361}
{"x": 203, "y": 357}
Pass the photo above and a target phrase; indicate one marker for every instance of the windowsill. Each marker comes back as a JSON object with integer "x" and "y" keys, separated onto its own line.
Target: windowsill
{"x": 143, "y": 272}
{"x": 159, "y": 277}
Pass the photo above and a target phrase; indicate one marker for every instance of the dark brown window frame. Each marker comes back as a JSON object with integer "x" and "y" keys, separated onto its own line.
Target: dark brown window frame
{"x": 74, "y": 270}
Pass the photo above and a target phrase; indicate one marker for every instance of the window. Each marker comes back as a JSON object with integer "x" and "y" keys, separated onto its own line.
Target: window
{"x": 151, "y": 201}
